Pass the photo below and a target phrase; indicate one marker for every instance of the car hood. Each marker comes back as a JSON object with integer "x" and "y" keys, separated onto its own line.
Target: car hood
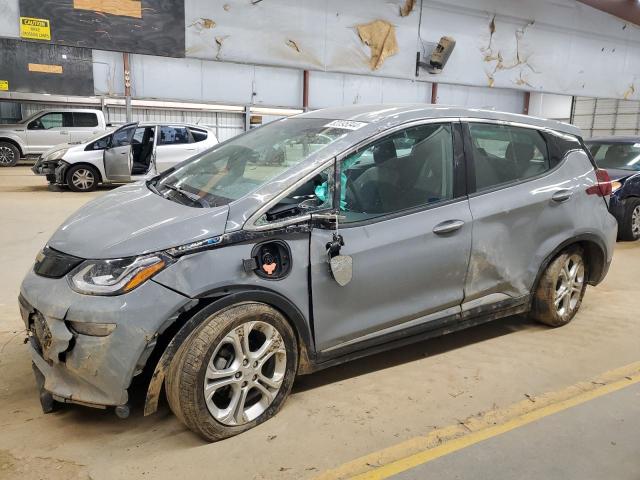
{"x": 132, "y": 220}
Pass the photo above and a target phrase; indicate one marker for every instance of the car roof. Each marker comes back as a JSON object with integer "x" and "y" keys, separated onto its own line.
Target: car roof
{"x": 153, "y": 124}
{"x": 406, "y": 112}
{"x": 614, "y": 139}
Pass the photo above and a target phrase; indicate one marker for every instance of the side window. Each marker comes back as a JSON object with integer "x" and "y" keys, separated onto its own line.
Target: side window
{"x": 122, "y": 137}
{"x": 100, "y": 144}
{"x": 504, "y": 154}
{"x": 411, "y": 168}
{"x": 198, "y": 135}
{"x": 314, "y": 195}
{"x": 173, "y": 135}
{"x": 51, "y": 120}
{"x": 85, "y": 119}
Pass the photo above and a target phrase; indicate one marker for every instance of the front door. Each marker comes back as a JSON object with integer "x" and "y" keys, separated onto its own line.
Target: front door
{"x": 48, "y": 130}
{"x": 407, "y": 226}
{"x": 118, "y": 158}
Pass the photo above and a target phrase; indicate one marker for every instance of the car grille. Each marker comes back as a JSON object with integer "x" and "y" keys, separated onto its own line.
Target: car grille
{"x": 51, "y": 263}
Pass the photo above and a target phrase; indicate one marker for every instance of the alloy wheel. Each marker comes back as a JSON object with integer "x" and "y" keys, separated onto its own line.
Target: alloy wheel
{"x": 635, "y": 222}
{"x": 245, "y": 373}
{"x": 83, "y": 179}
{"x": 7, "y": 156}
{"x": 569, "y": 285}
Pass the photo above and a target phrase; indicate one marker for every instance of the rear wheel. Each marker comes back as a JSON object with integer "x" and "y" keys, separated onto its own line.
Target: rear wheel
{"x": 9, "y": 154}
{"x": 234, "y": 372}
{"x": 630, "y": 225}
{"x": 82, "y": 178}
{"x": 561, "y": 289}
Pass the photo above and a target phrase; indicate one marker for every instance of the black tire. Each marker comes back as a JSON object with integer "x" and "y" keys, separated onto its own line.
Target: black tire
{"x": 9, "y": 154}
{"x": 82, "y": 178}
{"x": 545, "y": 308}
{"x": 185, "y": 383}
{"x": 629, "y": 228}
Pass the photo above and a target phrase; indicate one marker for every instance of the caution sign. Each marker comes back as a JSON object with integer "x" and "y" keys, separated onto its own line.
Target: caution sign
{"x": 35, "y": 28}
{"x": 4, "y": 85}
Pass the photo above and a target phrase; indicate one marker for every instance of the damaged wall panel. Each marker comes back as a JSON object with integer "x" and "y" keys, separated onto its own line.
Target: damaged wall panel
{"x": 139, "y": 26}
{"x": 42, "y": 68}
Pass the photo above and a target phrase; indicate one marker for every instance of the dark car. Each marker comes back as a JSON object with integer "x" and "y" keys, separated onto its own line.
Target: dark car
{"x": 620, "y": 156}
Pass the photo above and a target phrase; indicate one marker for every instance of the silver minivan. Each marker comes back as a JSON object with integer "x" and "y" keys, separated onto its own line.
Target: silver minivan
{"x": 309, "y": 242}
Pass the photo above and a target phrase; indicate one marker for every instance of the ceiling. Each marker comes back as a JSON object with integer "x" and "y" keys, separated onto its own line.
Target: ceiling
{"x": 628, "y": 10}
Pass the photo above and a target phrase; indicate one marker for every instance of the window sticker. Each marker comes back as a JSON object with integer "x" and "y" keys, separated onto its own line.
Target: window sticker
{"x": 345, "y": 124}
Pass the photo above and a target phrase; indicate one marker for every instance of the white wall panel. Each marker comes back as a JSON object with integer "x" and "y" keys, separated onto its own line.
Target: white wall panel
{"x": 547, "y": 105}
{"x": 506, "y": 100}
{"x": 9, "y": 14}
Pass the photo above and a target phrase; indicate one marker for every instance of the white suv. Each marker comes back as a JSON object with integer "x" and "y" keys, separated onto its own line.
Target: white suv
{"x": 42, "y": 130}
{"x": 131, "y": 152}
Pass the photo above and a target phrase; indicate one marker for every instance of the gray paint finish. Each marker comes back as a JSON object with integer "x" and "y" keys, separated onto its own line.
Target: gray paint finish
{"x": 404, "y": 273}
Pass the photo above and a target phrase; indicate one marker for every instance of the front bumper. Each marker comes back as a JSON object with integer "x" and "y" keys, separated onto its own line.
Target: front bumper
{"x": 48, "y": 169}
{"x": 85, "y": 369}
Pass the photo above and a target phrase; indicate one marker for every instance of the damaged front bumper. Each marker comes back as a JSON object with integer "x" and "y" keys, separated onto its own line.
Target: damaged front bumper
{"x": 93, "y": 369}
{"x": 54, "y": 170}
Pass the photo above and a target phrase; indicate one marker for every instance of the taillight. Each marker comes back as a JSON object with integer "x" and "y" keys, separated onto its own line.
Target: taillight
{"x": 603, "y": 187}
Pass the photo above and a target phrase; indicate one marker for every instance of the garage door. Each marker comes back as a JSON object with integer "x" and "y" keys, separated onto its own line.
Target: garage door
{"x": 606, "y": 116}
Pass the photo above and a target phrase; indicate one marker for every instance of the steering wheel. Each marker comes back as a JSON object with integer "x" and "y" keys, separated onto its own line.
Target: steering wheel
{"x": 310, "y": 204}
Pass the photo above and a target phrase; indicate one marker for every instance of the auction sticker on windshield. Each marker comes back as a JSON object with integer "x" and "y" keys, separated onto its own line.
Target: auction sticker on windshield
{"x": 345, "y": 124}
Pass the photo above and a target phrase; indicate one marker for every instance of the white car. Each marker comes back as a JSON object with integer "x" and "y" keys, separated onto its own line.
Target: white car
{"x": 132, "y": 152}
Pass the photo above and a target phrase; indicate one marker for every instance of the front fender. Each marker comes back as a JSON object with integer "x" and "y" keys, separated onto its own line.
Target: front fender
{"x": 233, "y": 296}
{"x": 14, "y": 138}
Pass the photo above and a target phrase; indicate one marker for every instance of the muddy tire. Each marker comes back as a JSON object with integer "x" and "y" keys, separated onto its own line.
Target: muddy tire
{"x": 234, "y": 371}
{"x": 561, "y": 288}
{"x": 82, "y": 178}
{"x": 629, "y": 228}
{"x": 9, "y": 154}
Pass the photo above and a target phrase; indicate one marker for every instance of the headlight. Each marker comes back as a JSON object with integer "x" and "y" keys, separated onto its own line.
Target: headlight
{"x": 58, "y": 154}
{"x": 114, "y": 277}
{"x": 615, "y": 185}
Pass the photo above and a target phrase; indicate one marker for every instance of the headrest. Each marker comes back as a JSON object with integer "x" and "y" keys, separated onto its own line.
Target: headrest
{"x": 384, "y": 151}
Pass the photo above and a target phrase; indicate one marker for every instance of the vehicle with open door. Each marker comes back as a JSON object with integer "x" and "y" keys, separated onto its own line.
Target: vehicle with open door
{"x": 131, "y": 152}
{"x": 308, "y": 242}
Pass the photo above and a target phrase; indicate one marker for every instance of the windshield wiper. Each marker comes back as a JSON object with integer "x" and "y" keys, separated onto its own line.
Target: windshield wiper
{"x": 191, "y": 196}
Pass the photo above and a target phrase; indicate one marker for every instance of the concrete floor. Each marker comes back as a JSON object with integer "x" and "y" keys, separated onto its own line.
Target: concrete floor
{"x": 332, "y": 417}
{"x": 596, "y": 440}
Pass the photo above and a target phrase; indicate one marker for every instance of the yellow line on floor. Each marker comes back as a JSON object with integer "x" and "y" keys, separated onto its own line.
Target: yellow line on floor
{"x": 414, "y": 452}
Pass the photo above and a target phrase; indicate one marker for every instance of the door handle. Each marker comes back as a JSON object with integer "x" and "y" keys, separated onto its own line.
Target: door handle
{"x": 448, "y": 226}
{"x": 190, "y": 149}
{"x": 562, "y": 195}
{"x": 62, "y": 132}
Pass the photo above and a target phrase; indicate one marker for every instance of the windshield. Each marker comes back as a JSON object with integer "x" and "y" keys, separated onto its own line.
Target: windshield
{"x": 243, "y": 164}
{"x": 30, "y": 117}
{"x": 622, "y": 156}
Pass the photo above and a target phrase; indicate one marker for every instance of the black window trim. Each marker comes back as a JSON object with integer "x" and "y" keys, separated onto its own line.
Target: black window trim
{"x": 89, "y": 112}
{"x": 470, "y": 162}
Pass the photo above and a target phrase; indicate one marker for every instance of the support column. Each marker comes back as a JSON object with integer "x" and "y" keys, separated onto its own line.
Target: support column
{"x": 127, "y": 86}
{"x": 305, "y": 90}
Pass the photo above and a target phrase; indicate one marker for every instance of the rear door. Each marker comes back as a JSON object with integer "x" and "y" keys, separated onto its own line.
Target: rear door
{"x": 524, "y": 199}
{"x": 48, "y": 130}
{"x": 174, "y": 144}
{"x": 85, "y": 125}
{"x": 118, "y": 158}
{"x": 407, "y": 228}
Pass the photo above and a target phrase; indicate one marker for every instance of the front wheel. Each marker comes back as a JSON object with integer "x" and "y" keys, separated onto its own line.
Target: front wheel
{"x": 9, "y": 154}
{"x": 561, "y": 289}
{"x": 630, "y": 225}
{"x": 82, "y": 178}
{"x": 234, "y": 372}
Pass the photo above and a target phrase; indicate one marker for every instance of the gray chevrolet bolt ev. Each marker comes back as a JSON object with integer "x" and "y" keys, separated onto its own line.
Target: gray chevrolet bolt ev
{"x": 308, "y": 242}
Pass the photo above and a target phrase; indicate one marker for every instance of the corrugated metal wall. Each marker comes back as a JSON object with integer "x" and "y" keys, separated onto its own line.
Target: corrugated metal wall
{"x": 227, "y": 125}
{"x": 606, "y": 116}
